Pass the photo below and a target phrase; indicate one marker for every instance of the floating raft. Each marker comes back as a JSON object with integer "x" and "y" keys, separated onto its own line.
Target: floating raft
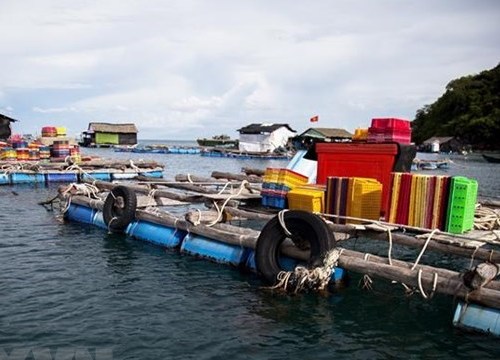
{"x": 160, "y": 149}
{"x": 229, "y": 153}
{"x": 161, "y": 215}
{"x": 40, "y": 172}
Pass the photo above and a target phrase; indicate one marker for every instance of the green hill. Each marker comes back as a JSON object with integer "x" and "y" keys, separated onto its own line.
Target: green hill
{"x": 469, "y": 110}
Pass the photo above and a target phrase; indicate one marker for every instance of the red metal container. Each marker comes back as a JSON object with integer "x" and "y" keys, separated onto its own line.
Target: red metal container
{"x": 358, "y": 160}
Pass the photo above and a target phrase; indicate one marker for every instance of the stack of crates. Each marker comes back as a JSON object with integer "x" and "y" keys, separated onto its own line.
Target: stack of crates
{"x": 353, "y": 197}
{"x": 364, "y": 197}
{"x": 276, "y": 185}
{"x": 461, "y": 205}
{"x": 360, "y": 134}
{"x": 390, "y": 130}
{"x": 307, "y": 197}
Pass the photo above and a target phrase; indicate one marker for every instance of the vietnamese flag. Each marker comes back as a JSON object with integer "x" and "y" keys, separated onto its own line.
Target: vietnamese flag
{"x": 315, "y": 118}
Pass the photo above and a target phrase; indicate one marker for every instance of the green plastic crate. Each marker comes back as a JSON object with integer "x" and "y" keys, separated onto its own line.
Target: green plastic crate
{"x": 461, "y": 205}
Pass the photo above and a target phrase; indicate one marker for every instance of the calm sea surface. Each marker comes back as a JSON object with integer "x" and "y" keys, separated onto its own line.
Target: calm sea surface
{"x": 74, "y": 289}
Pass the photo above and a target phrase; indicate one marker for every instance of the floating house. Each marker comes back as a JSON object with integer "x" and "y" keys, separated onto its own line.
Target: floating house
{"x": 264, "y": 138}
{"x": 442, "y": 144}
{"x": 314, "y": 135}
{"x": 106, "y": 134}
{"x": 5, "y": 130}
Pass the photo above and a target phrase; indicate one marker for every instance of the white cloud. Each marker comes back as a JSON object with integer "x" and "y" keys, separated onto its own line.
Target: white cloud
{"x": 190, "y": 68}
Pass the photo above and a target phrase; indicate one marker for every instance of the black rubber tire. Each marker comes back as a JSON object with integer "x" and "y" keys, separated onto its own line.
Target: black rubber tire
{"x": 304, "y": 226}
{"x": 119, "y": 208}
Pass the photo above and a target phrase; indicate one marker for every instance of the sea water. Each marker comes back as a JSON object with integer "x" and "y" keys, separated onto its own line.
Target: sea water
{"x": 73, "y": 291}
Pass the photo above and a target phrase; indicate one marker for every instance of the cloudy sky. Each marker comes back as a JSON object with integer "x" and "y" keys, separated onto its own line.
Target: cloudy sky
{"x": 190, "y": 68}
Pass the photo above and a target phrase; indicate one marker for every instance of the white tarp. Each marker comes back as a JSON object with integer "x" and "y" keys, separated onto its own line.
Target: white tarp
{"x": 265, "y": 142}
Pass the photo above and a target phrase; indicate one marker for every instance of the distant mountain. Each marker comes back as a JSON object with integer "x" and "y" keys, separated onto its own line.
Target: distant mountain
{"x": 468, "y": 110}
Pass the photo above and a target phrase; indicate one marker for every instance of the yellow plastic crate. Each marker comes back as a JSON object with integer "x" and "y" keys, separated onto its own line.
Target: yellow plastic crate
{"x": 272, "y": 175}
{"x": 292, "y": 179}
{"x": 364, "y": 198}
{"x": 309, "y": 198}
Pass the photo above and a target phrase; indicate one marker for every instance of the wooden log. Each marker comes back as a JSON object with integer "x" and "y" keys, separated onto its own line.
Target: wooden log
{"x": 119, "y": 164}
{"x": 202, "y": 217}
{"x": 481, "y": 275}
{"x": 191, "y": 187}
{"x": 444, "y": 285}
{"x": 479, "y": 254}
{"x": 397, "y": 238}
{"x": 240, "y": 177}
{"x": 253, "y": 171}
{"x": 489, "y": 201}
{"x": 226, "y": 236}
{"x": 252, "y": 215}
{"x": 85, "y": 201}
{"x": 192, "y": 178}
{"x": 104, "y": 185}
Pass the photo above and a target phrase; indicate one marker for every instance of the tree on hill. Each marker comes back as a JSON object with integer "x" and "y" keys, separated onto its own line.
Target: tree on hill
{"x": 469, "y": 110}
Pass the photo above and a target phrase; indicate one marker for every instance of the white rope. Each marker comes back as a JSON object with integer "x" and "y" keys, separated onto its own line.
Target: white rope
{"x": 134, "y": 167}
{"x": 281, "y": 218}
{"x": 486, "y": 218}
{"x": 302, "y": 279}
{"x": 189, "y": 178}
{"x": 421, "y": 288}
{"x": 230, "y": 197}
{"x": 389, "y": 253}
{"x": 114, "y": 218}
{"x": 90, "y": 191}
{"x": 424, "y": 248}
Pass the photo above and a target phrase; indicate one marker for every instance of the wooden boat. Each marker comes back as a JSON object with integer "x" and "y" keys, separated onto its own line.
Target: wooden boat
{"x": 219, "y": 140}
{"x": 492, "y": 158}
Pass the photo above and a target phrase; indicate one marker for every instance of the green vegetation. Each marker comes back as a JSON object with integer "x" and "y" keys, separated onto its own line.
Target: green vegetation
{"x": 469, "y": 110}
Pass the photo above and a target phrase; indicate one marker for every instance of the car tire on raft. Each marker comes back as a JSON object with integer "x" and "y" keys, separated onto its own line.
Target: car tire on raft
{"x": 305, "y": 227}
{"x": 119, "y": 208}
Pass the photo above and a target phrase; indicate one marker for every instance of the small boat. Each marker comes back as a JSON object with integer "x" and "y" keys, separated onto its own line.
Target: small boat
{"x": 219, "y": 141}
{"x": 492, "y": 158}
{"x": 430, "y": 164}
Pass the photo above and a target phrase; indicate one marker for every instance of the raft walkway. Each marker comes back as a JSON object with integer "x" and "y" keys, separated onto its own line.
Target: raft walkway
{"x": 168, "y": 205}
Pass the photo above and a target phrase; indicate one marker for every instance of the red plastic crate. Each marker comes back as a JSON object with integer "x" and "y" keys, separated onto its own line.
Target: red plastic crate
{"x": 402, "y": 136}
{"x": 358, "y": 160}
{"x": 384, "y": 123}
{"x": 389, "y": 135}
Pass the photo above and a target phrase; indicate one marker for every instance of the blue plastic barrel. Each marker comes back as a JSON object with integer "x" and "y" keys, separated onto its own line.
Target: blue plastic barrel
{"x": 61, "y": 177}
{"x": 477, "y": 317}
{"x": 25, "y": 178}
{"x": 214, "y": 250}
{"x": 155, "y": 233}
{"x": 4, "y": 179}
{"x": 80, "y": 213}
{"x": 288, "y": 264}
{"x": 152, "y": 174}
{"x": 98, "y": 220}
{"x": 103, "y": 176}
